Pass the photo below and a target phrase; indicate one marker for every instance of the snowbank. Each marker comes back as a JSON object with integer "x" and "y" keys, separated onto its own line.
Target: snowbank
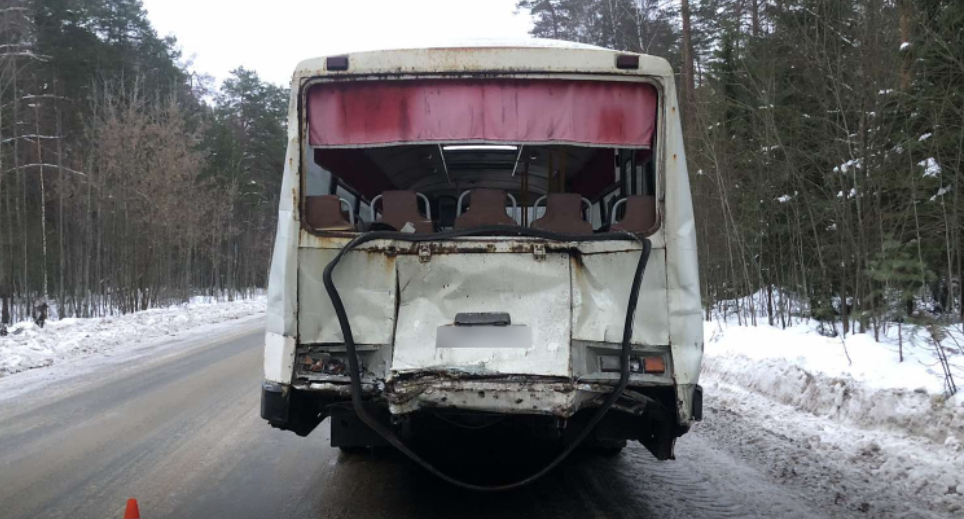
{"x": 838, "y": 466}
{"x": 28, "y": 346}
{"x": 799, "y": 367}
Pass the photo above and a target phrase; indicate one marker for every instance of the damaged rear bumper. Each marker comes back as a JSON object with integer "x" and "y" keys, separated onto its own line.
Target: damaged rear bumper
{"x": 654, "y": 414}
{"x": 560, "y": 399}
{"x": 513, "y": 395}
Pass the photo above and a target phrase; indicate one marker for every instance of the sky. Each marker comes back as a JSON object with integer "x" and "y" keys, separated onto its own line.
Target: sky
{"x": 272, "y": 36}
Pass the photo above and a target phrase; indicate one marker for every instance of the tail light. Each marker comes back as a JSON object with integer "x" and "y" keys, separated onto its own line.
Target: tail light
{"x": 654, "y": 365}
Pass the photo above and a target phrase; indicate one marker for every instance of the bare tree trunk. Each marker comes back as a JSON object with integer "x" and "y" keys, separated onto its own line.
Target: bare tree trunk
{"x": 906, "y": 14}
{"x": 900, "y": 341}
{"x": 4, "y": 310}
{"x": 62, "y": 195}
{"x": 555, "y": 19}
{"x": 88, "y": 246}
{"x": 687, "y": 84}
{"x": 755, "y": 6}
{"x": 22, "y": 212}
{"x": 43, "y": 201}
{"x": 770, "y": 302}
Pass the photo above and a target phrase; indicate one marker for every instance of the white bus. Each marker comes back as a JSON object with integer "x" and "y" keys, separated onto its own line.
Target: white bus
{"x": 464, "y": 234}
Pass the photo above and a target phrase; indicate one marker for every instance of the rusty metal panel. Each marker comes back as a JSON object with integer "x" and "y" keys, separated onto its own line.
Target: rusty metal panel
{"x": 366, "y": 283}
{"x": 474, "y": 244}
{"x": 600, "y": 289}
{"x": 535, "y": 293}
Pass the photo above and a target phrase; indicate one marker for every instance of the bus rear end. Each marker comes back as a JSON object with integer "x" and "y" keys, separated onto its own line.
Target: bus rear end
{"x": 482, "y": 215}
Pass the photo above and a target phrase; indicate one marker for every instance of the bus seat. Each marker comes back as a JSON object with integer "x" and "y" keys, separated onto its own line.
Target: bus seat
{"x": 488, "y": 208}
{"x": 401, "y": 207}
{"x": 640, "y": 215}
{"x": 323, "y": 213}
{"x": 563, "y": 215}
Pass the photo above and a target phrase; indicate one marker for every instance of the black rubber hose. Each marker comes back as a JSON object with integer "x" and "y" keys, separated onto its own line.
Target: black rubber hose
{"x": 354, "y": 371}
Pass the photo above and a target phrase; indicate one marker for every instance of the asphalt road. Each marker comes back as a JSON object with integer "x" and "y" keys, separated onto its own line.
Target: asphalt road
{"x": 183, "y": 435}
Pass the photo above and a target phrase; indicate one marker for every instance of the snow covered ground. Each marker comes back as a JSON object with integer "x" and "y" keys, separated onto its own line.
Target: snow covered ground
{"x": 802, "y": 368}
{"x": 28, "y": 346}
{"x": 871, "y": 417}
{"x": 840, "y": 470}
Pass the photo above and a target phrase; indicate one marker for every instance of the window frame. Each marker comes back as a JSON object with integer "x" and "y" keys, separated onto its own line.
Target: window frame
{"x": 658, "y": 147}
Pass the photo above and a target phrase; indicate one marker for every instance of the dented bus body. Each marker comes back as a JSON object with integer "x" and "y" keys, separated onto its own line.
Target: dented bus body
{"x": 583, "y": 145}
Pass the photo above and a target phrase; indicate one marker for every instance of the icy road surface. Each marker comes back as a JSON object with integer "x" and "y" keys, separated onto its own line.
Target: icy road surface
{"x": 181, "y": 432}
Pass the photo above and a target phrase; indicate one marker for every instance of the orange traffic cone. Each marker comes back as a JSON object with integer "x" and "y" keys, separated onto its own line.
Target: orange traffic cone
{"x": 132, "y": 512}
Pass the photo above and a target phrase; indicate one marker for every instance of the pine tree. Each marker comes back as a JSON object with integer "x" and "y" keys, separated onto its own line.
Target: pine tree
{"x": 109, "y": 165}
{"x": 825, "y": 136}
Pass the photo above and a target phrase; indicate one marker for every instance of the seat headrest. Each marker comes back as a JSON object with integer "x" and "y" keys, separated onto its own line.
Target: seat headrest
{"x": 487, "y": 208}
{"x": 640, "y": 216}
{"x": 565, "y": 202}
{"x": 323, "y": 213}
{"x": 563, "y": 215}
{"x": 401, "y": 207}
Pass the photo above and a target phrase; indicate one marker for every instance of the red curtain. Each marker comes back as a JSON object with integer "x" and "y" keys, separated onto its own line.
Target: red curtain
{"x": 360, "y": 113}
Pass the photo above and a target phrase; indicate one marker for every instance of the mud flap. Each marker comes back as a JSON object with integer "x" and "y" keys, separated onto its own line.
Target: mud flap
{"x": 290, "y": 410}
{"x": 653, "y": 427}
{"x": 347, "y": 430}
{"x": 274, "y": 402}
{"x": 660, "y": 433}
{"x": 661, "y": 442}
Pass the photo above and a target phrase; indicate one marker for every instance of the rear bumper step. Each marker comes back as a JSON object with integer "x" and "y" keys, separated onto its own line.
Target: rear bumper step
{"x": 547, "y": 396}
{"x": 561, "y": 399}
